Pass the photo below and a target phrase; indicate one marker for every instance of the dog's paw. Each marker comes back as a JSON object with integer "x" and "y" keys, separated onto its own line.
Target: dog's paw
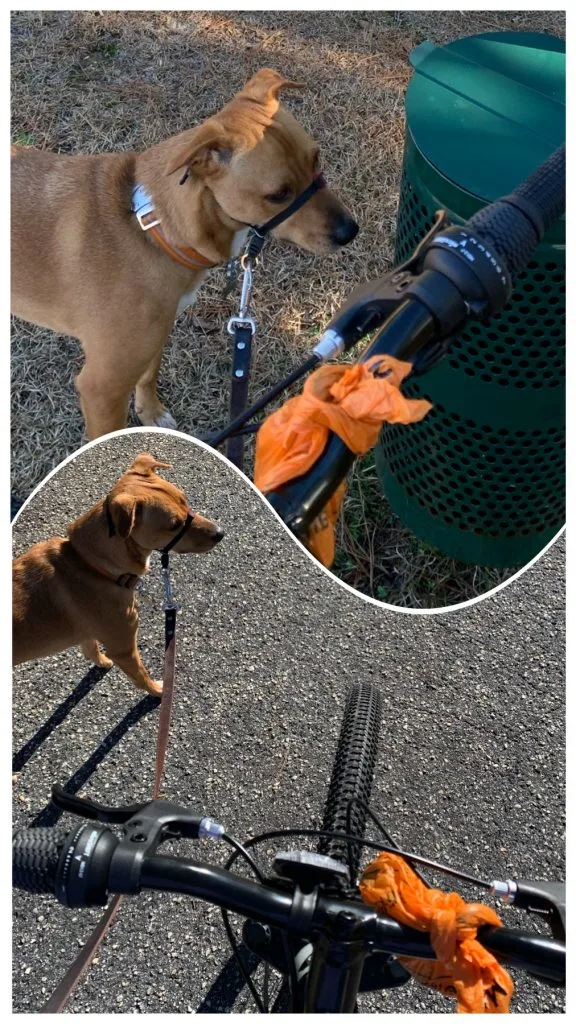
{"x": 155, "y": 687}
{"x": 153, "y": 414}
{"x": 102, "y": 661}
{"x": 165, "y": 420}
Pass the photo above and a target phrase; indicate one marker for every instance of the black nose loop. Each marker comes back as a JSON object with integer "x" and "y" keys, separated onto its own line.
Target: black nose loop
{"x": 179, "y": 535}
{"x": 259, "y": 232}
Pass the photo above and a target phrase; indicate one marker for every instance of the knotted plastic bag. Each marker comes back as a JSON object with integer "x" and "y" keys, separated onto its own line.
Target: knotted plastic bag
{"x": 353, "y": 401}
{"x": 464, "y": 969}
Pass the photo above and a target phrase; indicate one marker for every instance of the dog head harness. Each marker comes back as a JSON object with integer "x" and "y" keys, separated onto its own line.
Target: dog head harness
{"x": 130, "y": 579}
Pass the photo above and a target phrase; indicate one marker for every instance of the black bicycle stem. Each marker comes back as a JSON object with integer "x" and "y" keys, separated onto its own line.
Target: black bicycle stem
{"x": 463, "y": 272}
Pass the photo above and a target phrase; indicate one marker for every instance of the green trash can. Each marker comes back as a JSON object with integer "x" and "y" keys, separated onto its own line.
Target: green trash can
{"x": 482, "y": 478}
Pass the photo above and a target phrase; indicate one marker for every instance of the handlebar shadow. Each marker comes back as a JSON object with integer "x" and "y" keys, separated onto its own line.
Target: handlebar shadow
{"x": 225, "y": 990}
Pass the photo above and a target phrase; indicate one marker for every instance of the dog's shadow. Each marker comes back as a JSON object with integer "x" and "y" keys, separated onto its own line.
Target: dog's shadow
{"x": 50, "y": 814}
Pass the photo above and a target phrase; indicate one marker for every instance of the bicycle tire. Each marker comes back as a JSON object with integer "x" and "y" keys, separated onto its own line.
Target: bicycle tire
{"x": 352, "y": 773}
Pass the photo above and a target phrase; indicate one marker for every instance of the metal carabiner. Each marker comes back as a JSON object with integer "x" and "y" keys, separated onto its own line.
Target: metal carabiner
{"x": 246, "y": 294}
{"x": 169, "y": 602}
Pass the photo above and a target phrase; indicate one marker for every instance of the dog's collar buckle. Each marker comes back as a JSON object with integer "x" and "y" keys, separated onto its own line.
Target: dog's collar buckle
{"x": 142, "y": 206}
{"x": 145, "y": 212}
{"x": 128, "y": 580}
{"x": 146, "y": 225}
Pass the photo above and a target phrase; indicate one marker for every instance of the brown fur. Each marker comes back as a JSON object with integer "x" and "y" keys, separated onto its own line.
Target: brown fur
{"x": 82, "y": 265}
{"x": 65, "y": 590}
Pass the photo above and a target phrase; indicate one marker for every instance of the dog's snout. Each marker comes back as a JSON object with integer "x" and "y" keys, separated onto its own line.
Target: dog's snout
{"x": 218, "y": 536}
{"x": 344, "y": 230}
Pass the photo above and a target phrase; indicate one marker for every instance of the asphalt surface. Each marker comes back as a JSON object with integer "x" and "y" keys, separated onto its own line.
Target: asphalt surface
{"x": 471, "y": 754}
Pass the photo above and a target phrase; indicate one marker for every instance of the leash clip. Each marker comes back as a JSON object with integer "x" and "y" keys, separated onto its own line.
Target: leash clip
{"x": 241, "y": 321}
{"x": 246, "y": 294}
{"x": 244, "y": 319}
{"x": 169, "y": 603}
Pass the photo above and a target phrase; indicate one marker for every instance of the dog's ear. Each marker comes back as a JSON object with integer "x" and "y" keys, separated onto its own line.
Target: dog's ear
{"x": 264, "y": 87}
{"x": 207, "y": 150}
{"x": 145, "y": 464}
{"x": 239, "y": 125}
{"x": 124, "y": 511}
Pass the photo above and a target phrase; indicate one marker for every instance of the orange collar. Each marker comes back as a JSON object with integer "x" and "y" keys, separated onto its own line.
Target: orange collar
{"x": 146, "y": 216}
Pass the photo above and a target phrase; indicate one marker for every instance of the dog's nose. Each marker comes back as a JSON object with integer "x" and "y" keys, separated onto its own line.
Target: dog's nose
{"x": 218, "y": 536}
{"x": 344, "y": 230}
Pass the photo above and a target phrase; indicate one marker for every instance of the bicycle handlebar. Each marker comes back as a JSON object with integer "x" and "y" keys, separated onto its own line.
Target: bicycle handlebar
{"x": 43, "y": 862}
{"x": 463, "y": 271}
{"x": 514, "y": 225}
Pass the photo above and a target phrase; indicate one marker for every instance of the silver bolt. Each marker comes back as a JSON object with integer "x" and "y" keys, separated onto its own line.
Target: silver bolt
{"x": 239, "y": 373}
{"x": 505, "y": 891}
{"x": 241, "y": 345}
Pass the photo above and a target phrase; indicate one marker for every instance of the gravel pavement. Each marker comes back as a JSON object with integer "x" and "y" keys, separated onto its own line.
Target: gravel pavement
{"x": 471, "y": 755}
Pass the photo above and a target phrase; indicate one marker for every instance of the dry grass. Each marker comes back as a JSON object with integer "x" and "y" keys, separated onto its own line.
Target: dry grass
{"x": 96, "y": 81}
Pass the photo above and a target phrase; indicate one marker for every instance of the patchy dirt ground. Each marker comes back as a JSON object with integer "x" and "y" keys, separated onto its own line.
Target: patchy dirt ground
{"x": 97, "y": 81}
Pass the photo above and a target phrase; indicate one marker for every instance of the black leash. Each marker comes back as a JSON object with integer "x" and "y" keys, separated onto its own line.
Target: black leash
{"x": 239, "y": 424}
{"x": 243, "y": 326}
{"x": 365, "y": 310}
{"x": 169, "y": 671}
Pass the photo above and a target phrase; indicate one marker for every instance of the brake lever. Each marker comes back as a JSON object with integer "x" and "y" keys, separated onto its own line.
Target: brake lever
{"x": 544, "y": 899}
{"x": 159, "y": 819}
{"x": 91, "y": 810}
{"x": 370, "y": 304}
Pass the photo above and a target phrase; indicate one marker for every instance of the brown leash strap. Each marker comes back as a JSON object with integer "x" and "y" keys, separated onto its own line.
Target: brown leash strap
{"x": 59, "y": 998}
{"x": 167, "y": 698}
{"x": 62, "y": 993}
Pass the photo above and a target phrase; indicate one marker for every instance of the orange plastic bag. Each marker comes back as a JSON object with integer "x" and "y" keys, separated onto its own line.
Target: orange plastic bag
{"x": 340, "y": 397}
{"x": 464, "y": 969}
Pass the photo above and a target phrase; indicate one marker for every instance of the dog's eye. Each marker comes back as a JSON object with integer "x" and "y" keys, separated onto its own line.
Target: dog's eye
{"x": 281, "y": 196}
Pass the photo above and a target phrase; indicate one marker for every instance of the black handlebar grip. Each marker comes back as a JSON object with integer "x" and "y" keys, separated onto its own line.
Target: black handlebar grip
{"x": 514, "y": 225}
{"x": 35, "y": 856}
{"x": 545, "y": 189}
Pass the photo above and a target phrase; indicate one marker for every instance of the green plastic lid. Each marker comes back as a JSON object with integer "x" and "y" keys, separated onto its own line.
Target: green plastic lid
{"x": 487, "y": 110}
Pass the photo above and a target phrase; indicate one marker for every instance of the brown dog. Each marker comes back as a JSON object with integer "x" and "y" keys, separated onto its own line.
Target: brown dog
{"x": 80, "y": 590}
{"x": 82, "y": 264}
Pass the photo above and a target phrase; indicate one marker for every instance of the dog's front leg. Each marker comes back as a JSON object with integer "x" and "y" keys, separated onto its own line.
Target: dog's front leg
{"x": 132, "y": 666}
{"x": 104, "y": 401}
{"x": 91, "y": 650}
{"x": 149, "y": 408}
{"x": 120, "y": 638}
{"x": 112, "y": 370}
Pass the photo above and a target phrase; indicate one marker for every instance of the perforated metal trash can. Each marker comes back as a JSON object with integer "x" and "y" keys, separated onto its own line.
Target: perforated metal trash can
{"x": 482, "y": 477}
